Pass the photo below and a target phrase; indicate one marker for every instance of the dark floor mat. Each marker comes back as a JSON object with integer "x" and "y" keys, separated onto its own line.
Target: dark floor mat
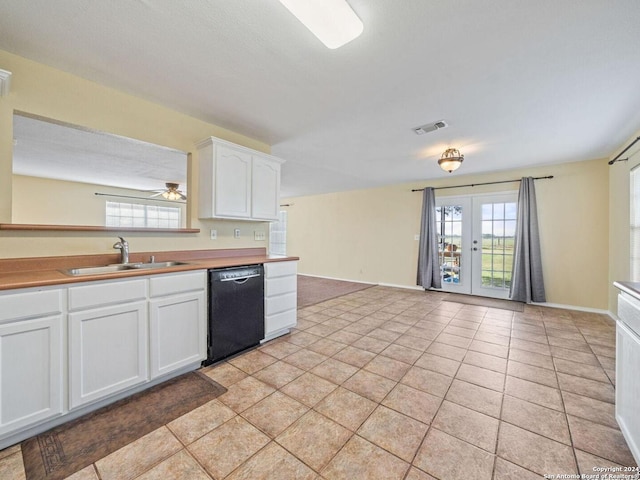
{"x": 485, "y": 302}
{"x": 70, "y": 447}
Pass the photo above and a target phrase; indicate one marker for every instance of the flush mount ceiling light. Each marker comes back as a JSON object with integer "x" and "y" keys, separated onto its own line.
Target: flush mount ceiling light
{"x": 332, "y": 21}
{"x": 451, "y": 160}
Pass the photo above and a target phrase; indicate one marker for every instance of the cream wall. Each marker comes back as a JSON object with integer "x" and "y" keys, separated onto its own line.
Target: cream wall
{"x": 619, "y": 218}
{"x": 45, "y": 91}
{"x": 48, "y": 201}
{"x": 368, "y": 235}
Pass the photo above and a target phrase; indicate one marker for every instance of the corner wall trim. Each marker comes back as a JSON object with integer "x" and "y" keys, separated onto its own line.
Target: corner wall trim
{"x": 5, "y": 82}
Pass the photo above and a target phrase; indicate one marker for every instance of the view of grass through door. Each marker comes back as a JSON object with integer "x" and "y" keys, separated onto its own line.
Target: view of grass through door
{"x": 498, "y": 238}
{"x": 476, "y": 243}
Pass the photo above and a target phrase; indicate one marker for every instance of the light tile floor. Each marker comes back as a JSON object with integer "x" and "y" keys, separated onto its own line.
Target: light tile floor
{"x": 394, "y": 384}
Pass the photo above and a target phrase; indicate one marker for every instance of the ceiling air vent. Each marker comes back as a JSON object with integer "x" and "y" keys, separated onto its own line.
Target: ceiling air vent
{"x": 430, "y": 127}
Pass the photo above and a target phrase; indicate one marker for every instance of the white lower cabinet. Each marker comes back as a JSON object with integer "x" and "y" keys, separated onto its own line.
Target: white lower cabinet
{"x": 627, "y": 366}
{"x": 65, "y": 351}
{"x": 108, "y": 351}
{"x": 177, "y": 322}
{"x": 31, "y": 375}
{"x": 280, "y": 298}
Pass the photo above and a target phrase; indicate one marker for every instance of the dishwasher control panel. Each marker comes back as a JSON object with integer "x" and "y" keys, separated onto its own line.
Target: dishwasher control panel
{"x": 238, "y": 273}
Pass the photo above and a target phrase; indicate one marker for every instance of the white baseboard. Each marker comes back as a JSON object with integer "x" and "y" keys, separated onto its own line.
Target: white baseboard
{"x": 572, "y": 307}
{"x": 406, "y": 287}
{"x": 334, "y": 278}
{"x": 416, "y": 287}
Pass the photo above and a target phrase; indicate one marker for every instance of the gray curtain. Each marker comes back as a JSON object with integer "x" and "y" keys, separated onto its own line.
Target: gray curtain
{"x": 527, "y": 284}
{"x": 428, "y": 262}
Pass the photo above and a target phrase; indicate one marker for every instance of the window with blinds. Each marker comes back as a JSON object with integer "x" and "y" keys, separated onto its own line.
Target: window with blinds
{"x": 138, "y": 215}
{"x": 278, "y": 235}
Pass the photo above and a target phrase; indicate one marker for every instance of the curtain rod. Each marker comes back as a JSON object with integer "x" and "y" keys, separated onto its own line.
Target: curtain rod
{"x": 618, "y": 159}
{"x": 477, "y": 184}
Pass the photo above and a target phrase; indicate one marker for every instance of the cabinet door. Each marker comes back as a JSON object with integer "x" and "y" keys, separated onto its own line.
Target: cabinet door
{"x": 265, "y": 189}
{"x": 107, "y": 351}
{"x": 178, "y": 332}
{"x": 31, "y": 380}
{"x": 233, "y": 183}
{"x": 628, "y": 386}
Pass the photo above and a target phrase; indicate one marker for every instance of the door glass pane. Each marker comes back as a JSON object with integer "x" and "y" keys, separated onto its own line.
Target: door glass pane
{"x": 487, "y": 212}
{"x": 449, "y": 219}
{"x": 498, "y": 234}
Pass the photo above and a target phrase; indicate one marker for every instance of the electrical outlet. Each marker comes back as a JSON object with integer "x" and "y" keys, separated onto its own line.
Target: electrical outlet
{"x": 258, "y": 235}
{"x": 214, "y": 234}
{"x": 416, "y": 237}
{"x": 236, "y": 233}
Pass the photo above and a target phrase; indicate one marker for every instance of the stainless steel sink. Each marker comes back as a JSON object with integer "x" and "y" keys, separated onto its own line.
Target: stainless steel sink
{"x": 97, "y": 270}
{"x": 119, "y": 267}
{"x": 156, "y": 265}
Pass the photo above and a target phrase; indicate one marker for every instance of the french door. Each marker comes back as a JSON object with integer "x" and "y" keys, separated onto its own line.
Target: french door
{"x": 476, "y": 242}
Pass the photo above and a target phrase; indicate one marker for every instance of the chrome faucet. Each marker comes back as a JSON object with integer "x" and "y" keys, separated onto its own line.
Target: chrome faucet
{"x": 123, "y": 246}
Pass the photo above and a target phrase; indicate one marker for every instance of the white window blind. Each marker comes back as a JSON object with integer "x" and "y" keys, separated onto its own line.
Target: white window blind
{"x": 138, "y": 215}
{"x": 278, "y": 235}
{"x": 635, "y": 224}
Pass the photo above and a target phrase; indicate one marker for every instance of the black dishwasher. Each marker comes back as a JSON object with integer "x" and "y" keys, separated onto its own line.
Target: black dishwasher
{"x": 236, "y": 310}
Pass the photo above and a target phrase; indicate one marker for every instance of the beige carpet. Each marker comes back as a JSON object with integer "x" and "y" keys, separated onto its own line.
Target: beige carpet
{"x": 312, "y": 290}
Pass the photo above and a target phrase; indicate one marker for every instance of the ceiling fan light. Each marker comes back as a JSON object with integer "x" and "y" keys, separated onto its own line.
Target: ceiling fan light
{"x": 451, "y": 160}
{"x": 172, "y": 193}
{"x": 333, "y": 21}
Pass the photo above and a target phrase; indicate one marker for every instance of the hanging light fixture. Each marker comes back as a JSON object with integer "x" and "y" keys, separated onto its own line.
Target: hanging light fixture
{"x": 333, "y": 21}
{"x": 451, "y": 159}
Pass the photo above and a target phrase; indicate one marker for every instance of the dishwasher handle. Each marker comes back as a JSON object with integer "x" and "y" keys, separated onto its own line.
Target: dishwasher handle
{"x": 242, "y": 279}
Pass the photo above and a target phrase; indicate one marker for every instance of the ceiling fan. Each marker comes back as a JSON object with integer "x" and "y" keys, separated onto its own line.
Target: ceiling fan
{"x": 171, "y": 192}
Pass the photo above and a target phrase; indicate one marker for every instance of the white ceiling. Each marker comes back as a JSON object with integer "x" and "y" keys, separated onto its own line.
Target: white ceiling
{"x": 66, "y": 152}
{"x": 520, "y": 82}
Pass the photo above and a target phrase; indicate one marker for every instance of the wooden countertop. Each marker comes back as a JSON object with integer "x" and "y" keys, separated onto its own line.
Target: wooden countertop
{"x": 46, "y": 271}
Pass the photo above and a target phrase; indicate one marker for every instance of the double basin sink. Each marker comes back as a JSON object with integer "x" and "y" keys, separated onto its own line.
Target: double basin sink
{"x": 119, "y": 267}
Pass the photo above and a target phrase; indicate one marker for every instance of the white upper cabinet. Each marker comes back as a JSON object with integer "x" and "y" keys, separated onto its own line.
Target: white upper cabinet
{"x": 265, "y": 189}
{"x": 237, "y": 182}
{"x": 232, "y": 183}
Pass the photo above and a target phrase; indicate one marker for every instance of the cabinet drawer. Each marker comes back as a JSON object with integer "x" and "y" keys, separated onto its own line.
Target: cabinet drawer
{"x": 97, "y": 294}
{"x": 280, "y": 320}
{"x": 280, "y": 269}
{"x": 280, "y": 303}
{"x": 280, "y": 285}
{"x": 170, "y": 284}
{"x": 18, "y": 306}
{"x": 629, "y": 311}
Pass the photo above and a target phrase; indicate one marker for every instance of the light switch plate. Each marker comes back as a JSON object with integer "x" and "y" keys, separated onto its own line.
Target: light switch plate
{"x": 416, "y": 237}
{"x": 214, "y": 234}
{"x": 258, "y": 235}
